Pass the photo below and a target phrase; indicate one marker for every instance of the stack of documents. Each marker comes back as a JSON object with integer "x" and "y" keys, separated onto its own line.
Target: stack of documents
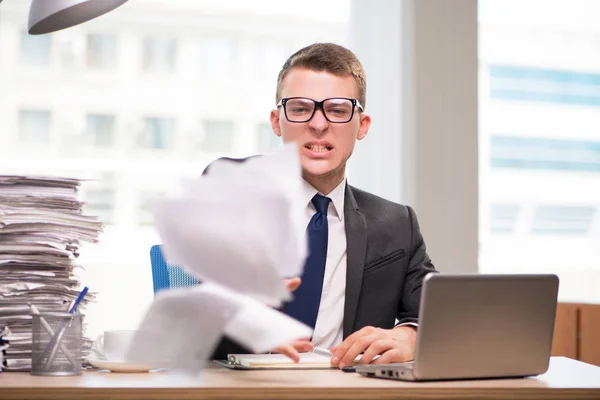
{"x": 41, "y": 230}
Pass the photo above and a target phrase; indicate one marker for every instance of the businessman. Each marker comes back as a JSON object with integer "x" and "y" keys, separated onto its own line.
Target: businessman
{"x": 361, "y": 284}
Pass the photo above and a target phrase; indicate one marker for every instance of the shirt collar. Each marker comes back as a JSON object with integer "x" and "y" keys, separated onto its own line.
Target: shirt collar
{"x": 337, "y": 196}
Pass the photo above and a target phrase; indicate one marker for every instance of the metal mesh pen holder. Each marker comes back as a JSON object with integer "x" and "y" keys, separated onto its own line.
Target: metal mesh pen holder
{"x": 56, "y": 344}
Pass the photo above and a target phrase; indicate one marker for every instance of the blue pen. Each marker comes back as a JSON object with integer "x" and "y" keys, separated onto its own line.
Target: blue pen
{"x": 78, "y": 300}
{"x": 56, "y": 339}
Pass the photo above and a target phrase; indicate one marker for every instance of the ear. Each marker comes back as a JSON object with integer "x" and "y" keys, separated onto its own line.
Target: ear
{"x": 274, "y": 117}
{"x": 365, "y": 123}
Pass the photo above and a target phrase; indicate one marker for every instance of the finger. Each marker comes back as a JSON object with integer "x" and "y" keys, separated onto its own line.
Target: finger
{"x": 342, "y": 348}
{"x": 358, "y": 347}
{"x": 293, "y": 283}
{"x": 290, "y": 351}
{"x": 376, "y": 348}
{"x": 395, "y": 355}
{"x": 302, "y": 346}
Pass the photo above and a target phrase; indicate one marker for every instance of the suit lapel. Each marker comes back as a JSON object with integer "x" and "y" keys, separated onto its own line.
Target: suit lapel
{"x": 356, "y": 248}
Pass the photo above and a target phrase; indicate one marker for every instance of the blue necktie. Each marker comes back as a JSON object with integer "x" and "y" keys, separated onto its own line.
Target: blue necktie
{"x": 305, "y": 305}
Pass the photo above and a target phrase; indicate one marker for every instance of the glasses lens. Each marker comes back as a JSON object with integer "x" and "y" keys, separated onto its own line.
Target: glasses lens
{"x": 338, "y": 110}
{"x": 299, "y": 110}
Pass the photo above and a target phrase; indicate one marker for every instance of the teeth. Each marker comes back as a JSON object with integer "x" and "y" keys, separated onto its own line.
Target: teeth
{"x": 318, "y": 149}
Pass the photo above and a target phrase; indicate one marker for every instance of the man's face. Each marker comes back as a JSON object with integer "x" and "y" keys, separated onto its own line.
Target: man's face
{"x": 324, "y": 146}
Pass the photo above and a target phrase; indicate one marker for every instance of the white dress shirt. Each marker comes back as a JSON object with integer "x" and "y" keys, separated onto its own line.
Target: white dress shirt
{"x": 328, "y": 329}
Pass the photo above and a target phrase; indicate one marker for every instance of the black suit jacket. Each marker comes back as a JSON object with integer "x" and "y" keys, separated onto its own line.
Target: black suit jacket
{"x": 386, "y": 264}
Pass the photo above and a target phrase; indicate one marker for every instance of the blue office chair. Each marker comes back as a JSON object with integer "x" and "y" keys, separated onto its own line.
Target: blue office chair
{"x": 164, "y": 275}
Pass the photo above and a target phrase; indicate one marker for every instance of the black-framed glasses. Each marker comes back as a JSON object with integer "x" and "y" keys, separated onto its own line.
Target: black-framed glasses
{"x": 337, "y": 110}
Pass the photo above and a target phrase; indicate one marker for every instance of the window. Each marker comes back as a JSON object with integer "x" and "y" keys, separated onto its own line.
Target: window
{"x": 101, "y": 51}
{"x": 35, "y": 50}
{"x": 100, "y": 130}
{"x": 268, "y": 142}
{"x": 218, "y": 136}
{"x": 540, "y": 142}
{"x": 158, "y": 133}
{"x": 158, "y": 54}
{"x": 196, "y": 48}
{"x": 34, "y": 126}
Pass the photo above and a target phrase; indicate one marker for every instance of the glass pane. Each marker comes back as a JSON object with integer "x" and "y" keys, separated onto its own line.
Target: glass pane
{"x": 159, "y": 54}
{"x": 540, "y": 141}
{"x": 100, "y": 130}
{"x": 35, "y": 49}
{"x": 158, "y": 133}
{"x": 34, "y": 126}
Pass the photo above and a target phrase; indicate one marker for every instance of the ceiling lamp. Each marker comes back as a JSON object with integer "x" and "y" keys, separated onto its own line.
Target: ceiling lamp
{"x": 47, "y": 16}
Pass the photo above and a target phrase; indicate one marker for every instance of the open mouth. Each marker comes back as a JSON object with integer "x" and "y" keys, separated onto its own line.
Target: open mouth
{"x": 318, "y": 148}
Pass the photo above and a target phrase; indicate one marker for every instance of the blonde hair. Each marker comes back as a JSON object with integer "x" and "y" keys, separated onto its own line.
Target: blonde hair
{"x": 327, "y": 57}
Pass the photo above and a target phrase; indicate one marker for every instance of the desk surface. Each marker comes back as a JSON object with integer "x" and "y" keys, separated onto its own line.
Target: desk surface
{"x": 566, "y": 378}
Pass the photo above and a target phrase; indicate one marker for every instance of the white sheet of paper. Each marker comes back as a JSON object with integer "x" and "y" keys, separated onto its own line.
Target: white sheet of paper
{"x": 183, "y": 326}
{"x": 262, "y": 329}
{"x": 240, "y": 226}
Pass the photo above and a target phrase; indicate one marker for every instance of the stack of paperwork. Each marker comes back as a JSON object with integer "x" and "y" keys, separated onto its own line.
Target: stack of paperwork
{"x": 41, "y": 230}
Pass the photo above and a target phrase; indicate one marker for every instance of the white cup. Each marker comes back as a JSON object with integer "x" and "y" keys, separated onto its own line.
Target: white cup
{"x": 114, "y": 344}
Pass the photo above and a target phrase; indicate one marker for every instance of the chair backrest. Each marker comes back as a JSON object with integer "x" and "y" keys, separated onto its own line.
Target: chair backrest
{"x": 165, "y": 275}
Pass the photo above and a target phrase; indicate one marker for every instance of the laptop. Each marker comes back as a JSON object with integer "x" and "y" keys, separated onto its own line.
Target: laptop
{"x": 479, "y": 326}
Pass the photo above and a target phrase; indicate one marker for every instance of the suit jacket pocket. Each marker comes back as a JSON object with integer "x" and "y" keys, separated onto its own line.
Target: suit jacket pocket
{"x": 384, "y": 261}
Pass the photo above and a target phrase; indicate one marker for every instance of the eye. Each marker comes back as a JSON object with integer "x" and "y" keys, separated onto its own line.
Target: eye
{"x": 298, "y": 109}
{"x": 340, "y": 112}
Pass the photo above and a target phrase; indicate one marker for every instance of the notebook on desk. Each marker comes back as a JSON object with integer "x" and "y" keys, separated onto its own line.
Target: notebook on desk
{"x": 318, "y": 358}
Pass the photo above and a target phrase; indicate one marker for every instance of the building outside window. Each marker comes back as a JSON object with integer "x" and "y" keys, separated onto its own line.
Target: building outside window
{"x": 123, "y": 110}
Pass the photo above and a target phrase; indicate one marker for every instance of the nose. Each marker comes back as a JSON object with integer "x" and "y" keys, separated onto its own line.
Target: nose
{"x": 318, "y": 122}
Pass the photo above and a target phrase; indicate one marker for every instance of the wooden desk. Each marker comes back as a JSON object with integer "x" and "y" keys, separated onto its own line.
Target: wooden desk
{"x": 566, "y": 378}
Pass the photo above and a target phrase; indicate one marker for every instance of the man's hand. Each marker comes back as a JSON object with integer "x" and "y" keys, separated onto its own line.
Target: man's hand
{"x": 293, "y": 350}
{"x": 392, "y": 345}
{"x": 293, "y": 283}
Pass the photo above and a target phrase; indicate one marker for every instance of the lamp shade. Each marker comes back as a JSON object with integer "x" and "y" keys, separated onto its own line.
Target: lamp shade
{"x": 47, "y": 16}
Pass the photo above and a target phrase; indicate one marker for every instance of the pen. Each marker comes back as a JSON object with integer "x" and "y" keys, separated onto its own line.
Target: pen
{"x": 78, "y": 300}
